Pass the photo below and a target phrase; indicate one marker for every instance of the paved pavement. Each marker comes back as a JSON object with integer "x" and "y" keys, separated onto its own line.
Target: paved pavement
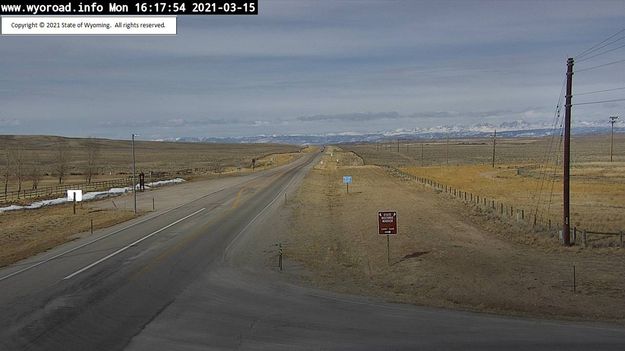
{"x": 183, "y": 278}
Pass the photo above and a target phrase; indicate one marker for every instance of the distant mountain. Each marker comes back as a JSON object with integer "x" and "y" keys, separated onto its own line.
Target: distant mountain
{"x": 512, "y": 129}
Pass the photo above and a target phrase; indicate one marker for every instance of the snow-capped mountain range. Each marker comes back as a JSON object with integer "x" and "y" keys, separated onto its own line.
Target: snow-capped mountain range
{"x": 511, "y": 129}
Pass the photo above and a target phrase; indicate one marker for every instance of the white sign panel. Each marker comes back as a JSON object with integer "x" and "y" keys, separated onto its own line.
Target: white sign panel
{"x": 77, "y": 194}
{"x": 92, "y": 25}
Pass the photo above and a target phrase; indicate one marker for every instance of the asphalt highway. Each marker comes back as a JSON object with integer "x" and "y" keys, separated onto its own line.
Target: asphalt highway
{"x": 192, "y": 276}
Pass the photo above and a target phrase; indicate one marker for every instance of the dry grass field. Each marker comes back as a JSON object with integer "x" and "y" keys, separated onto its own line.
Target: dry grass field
{"x": 446, "y": 254}
{"x": 41, "y": 156}
{"x": 26, "y": 233}
{"x": 521, "y": 177}
{"x": 513, "y": 151}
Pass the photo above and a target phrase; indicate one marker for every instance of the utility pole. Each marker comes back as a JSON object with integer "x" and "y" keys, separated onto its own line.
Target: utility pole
{"x": 612, "y": 120}
{"x": 421, "y": 154}
{"x": 447, "y": 149}
{"x": 397, "y": 145}
{"x": 134, "y": 171}
{"x": 494, "y": 143}
{"x": 566, "y": 159}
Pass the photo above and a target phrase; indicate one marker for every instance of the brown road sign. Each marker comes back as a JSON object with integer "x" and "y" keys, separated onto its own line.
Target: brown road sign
{"x": 387, "y": 222}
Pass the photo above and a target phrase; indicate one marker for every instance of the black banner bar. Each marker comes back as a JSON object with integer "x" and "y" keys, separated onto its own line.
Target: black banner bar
{"x": 125, "y": 8}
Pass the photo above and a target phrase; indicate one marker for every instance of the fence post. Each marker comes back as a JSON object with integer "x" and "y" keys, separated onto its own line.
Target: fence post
{"x": 621, "y": 234}
{"x": 522, "y": 214}
{"x": 584, "y": 238}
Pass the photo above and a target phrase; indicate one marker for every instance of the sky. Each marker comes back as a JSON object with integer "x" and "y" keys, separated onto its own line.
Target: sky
{"x": 315, "y": 67}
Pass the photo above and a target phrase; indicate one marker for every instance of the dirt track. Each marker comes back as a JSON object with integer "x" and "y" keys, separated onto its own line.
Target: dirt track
{"x": 446, "y": 254}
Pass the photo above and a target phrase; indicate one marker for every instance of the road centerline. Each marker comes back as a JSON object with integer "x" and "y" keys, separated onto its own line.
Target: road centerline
{"x": 130, "y": 245}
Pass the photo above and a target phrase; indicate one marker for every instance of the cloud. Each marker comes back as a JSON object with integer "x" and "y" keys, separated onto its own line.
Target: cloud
{"x": 424, "y": 115}
{"x": 4, "y": 122}
{"x": 293, "y": 69}
{"x": 179, "y": 123}
{"x": 351, "y": 117}
{"x": 464, "y": 114}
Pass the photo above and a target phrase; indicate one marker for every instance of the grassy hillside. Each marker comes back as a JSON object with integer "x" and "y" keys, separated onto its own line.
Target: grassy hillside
{"x": 113, "y": 158}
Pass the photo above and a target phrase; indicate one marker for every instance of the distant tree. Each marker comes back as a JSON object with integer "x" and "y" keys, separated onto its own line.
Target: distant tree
{"x": 93, "y": 153}
{"x": 18, "y": 167}
{"x": 35, "y": 171}
{"x": 61, "y": 162}
{"x": 6, "y": 169}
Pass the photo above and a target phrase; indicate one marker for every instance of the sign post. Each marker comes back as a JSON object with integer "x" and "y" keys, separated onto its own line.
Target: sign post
{"x": 347, "y": 180}
{"x": 387, "y": 225}
{"x": 74, "y": 196}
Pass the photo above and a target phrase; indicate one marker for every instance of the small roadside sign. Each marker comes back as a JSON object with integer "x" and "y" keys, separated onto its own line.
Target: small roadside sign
{"x": 387, "y": 225}
{"x": 387, "y": 222}
{"x": 347, "y": 180}
{"x": 74, "y": 195}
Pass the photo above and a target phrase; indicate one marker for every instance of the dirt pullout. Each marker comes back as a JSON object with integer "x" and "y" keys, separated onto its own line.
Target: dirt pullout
{"x": 29, "y": 232}
{"x": 442, "y": 256}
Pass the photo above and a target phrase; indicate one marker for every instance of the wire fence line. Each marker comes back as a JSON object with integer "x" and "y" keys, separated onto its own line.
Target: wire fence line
{"x": 59, "y": 190}
{"x": 509, "y": 211}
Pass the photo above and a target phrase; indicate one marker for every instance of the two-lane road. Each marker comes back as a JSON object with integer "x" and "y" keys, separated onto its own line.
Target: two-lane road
{"x": 181, "y": 279}
{"x": 97, "y": 293}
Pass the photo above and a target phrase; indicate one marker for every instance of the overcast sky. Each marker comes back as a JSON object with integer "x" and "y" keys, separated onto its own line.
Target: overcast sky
{"x": 316, "y": 67}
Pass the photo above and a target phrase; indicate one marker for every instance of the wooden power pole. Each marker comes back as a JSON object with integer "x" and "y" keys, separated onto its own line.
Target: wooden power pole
{"x": 612, "y": 121}
{"x": 447, "y": 149}
{"x": 566, "y": 159}
{"x": 494, "y": 143}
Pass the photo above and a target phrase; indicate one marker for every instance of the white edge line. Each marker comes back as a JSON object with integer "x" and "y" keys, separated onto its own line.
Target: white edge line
{"x": 236, "y": 237}
{"x": 79, "y": 247}
{"x": 101, "y": 238}
{"x": 130, "y": 245}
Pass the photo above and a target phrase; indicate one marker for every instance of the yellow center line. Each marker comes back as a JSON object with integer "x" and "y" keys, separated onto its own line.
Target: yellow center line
{"x": 235, "y": 204}
{"x": 179, "y": 246}
{"x": 167, "y": 253}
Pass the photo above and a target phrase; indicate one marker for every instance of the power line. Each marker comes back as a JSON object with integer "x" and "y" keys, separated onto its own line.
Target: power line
{"x": 599, "y": 66}
{"x": 597, "y": 102}
{"x": 599, "y": 91}
{"x": 594, "y": 47}
{"x": 542, "y": 167}
{"x": 601, "y": 53}
{"x": 555, "y": 170}
{"x": 602, "y": 46}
